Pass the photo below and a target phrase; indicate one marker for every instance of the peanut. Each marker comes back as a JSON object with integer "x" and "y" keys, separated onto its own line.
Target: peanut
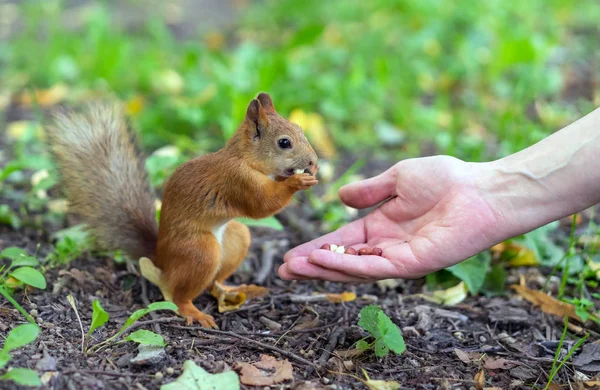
{"x": 377, "y": 251}
{"x": 340, "y": 249}
{"x": 364, "y": 251}
{"x": 350, "y": 251}
{"x": 298, "y": 171}
{"x": 327, "y": 247}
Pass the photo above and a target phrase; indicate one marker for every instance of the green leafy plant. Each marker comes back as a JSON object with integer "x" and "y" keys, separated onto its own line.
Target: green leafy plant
{"x": 101, "y": 317}
{"x": 18, "y": 273}
{"x": 17, "y": 338}
{"x": 385, "y": 334}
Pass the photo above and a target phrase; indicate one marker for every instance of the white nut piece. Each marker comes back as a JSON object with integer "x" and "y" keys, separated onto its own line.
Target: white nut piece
{"x": 333, "y": 247}
{"x": 340, "y": 249}
{"x": 298, "y": 171}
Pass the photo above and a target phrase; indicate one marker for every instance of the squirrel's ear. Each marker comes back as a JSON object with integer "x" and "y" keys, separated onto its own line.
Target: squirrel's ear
{"x": 256, "y": 116}
{"x": 266, "y": 102}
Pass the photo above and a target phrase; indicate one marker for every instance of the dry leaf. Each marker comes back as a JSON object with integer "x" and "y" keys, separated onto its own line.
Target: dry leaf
{"x": 546, "y": 303}
{"x": 492, "y": 363}
{"x": 468, "y": 357}
{"x": 44, "y": 97}
{"x": 347, "y": 354}
{"x": 450, "y": 296}
{"x": 382, "y": 385}
{"x": 479, "y": 379}
{"x": 232, "y": 297}
{"x": 307, "y": 321}
{"x": 343, "y": 297}
{"x": 266, "y": 372}
{"x": 313, "y": 126}
{"x": 520, "y": 256}
{"x": 592, "y": 384}
{"x": 554, "y": 386}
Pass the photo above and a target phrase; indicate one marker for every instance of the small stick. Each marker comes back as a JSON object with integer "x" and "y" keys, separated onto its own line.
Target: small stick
{"x": 269, "y": 251}
{"x": 254, "y": 342}
{"x": 333, "y": 341}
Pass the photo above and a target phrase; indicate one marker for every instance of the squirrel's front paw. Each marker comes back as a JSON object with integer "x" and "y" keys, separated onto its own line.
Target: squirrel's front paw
{"x": 301, "y": 181}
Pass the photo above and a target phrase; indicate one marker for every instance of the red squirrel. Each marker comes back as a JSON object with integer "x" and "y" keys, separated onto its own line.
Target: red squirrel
{"x": 198, "y": 242}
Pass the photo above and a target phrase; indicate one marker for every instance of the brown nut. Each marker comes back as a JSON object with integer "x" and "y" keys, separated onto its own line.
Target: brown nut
{"x": 364, "y": 251}
{"x": 326, "y": 247}
{"x": 377, "y": 251}
{"x": 350, "y": 251}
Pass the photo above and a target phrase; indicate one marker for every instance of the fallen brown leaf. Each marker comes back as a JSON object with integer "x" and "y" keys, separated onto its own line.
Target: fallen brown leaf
{"x": 492, "y": 363}
{"x": 479, "y": 379}
{"x": 266, "y": 372}
{"x": 554, "y": 386}
{"x": 232, "y": 297}
{"x": 468, "y": 357}
{"x": 546, "y": 302}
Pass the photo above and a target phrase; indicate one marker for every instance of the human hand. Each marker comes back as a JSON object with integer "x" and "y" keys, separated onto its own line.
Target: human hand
{"x": 438, "y": 216}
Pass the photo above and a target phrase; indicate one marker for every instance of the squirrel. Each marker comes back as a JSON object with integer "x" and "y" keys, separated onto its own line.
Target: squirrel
{"x": 197, "y": 242}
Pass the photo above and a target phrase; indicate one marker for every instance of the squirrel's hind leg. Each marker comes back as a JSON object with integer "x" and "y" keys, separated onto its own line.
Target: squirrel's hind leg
{"x": 236, "y": 242}
{"x": 189, "y": 269}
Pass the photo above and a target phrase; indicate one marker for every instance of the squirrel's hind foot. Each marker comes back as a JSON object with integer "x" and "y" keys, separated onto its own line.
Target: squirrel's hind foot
{"x": 192, "y": 314}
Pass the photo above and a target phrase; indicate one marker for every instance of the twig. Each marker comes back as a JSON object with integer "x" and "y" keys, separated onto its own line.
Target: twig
{"x": 254, "y": 342}
{"x": 333, "y": 342}
{"x": 269, "y": 250}
{"x": 98, "y": 372}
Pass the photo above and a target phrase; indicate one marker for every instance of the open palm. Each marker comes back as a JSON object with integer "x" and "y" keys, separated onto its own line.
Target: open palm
{"x": 435, "y": 216}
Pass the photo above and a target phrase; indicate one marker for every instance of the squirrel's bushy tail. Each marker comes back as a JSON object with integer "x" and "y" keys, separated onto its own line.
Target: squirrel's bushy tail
{"x": 105, "y": 179}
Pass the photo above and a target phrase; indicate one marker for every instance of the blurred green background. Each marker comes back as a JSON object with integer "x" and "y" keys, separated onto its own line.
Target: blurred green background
{"x": 472, "y": 79}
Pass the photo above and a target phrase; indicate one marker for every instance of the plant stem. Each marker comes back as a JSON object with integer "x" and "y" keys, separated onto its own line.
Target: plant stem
{"x": 7, "y": 295}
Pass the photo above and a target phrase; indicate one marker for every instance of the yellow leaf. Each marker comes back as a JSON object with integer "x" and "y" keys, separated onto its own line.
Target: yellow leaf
{"x": 232, "y": 297}
{"x": 135, "y": 105}
{"x": 379, "y": 384}
{"x": 382, "y": 385}
{"x": 214, "y": 40}
{"x": 479, "y": 379}
{"x": 595, "y": 266}
{"x": 343, "y": 297}
{"x": 44, "y": 97}
{"x": 518, "y": 255}
{"x": 546, "y": 302}
{"x": 19, "y": 129}
{"x": 315, "y": 131}
{"x": 452, "y": 295}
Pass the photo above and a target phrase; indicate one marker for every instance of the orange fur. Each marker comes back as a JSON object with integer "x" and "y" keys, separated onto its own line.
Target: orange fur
{"x": 198, "y": 242}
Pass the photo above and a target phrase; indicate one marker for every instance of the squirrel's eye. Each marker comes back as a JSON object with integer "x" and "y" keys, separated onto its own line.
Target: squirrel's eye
{"x": 284, "y": 143}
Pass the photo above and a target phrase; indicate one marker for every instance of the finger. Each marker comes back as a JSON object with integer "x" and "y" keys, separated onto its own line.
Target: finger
{"x": 301, "y": 269}
{"x": 366, "y": 267}
{"x": 348, "y": 235}
{"x": 369, "y": 192}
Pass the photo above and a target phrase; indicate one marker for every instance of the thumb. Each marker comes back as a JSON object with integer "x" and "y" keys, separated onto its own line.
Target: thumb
{"x": 369, "y": 192}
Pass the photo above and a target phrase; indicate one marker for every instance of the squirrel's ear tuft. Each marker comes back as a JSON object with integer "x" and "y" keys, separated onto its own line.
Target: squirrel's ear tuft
{"x": 266, "y": 102}
{"x": 255, "y": 114}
